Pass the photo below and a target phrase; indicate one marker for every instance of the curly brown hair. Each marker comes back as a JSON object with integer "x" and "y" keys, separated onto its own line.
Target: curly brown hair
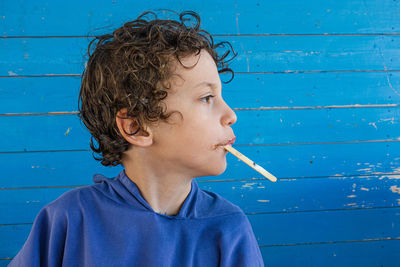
{"x": 125, "y": 71}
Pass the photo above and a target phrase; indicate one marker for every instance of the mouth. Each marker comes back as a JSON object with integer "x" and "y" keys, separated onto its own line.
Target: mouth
{"x": 228, "y": 142}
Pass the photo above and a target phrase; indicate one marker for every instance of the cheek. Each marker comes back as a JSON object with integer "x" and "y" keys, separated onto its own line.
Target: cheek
{"x": 202, "y": 134}
{"x": 197, "y": 129}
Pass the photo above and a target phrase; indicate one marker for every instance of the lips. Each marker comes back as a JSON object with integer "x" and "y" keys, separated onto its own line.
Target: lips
{"x": 229, "y": 142}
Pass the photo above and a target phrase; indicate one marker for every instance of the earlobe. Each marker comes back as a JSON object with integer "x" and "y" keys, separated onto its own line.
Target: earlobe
{"x": 129, "y": 129}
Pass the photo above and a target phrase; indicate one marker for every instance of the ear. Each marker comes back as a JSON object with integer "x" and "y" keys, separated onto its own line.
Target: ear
{"x": 142, "y": 138}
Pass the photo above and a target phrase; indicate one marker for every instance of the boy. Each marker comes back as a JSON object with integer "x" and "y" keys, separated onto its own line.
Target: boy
{"x": 151, "y": 98}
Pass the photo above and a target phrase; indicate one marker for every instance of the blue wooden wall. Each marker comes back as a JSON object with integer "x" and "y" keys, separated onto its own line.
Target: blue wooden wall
{"x": 316, "y": 93}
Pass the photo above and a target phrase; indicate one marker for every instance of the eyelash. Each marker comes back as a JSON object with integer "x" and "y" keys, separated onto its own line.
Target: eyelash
{"x": 207, "y": 98}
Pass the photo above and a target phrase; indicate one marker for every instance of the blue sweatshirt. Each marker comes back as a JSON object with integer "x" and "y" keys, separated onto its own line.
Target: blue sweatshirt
{"x": 109, "y": 223}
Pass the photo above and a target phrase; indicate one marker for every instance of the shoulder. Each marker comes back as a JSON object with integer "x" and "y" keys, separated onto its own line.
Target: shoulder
{"x": 75, "y": 200}
{"x": 73, "y": 195}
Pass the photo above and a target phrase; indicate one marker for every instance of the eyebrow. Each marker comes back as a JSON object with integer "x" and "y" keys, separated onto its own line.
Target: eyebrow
{"x": 211, "y": 85}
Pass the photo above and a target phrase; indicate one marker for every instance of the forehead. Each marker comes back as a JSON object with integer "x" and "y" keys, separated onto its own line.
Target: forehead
{"x": 204, "y": 73}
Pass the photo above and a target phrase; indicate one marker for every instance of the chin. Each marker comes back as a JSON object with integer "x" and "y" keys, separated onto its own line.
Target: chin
{"x": 219, "y": 170}
{"x": 212, "y": 167}
{"x": 214, "y": 171}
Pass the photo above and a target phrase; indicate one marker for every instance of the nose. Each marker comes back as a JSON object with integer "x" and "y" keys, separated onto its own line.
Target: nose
{"x": 229, "y": 116}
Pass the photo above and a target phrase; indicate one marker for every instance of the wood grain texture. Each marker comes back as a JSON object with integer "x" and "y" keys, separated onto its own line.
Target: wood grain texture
{"x": 42, "y": 18}
{"x": 265, "y": 54}
{"x": 248, "y": 90}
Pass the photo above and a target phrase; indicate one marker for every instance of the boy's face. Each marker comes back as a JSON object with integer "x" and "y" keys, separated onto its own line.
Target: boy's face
{"x": 191, "y": 144}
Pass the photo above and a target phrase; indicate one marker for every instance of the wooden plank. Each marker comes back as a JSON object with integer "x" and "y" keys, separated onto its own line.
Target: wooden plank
{"x": 54, "y": 56}
{"x": 56, "y": 94}
{"x": 293, "y": 195}
{"x": 39, "y": 94}
{"x": 280, "y": 229}
{"x": 259, "y": 127}
{"x": 67, "y": 168}
{"x": 42, "y": 18}
{"x": 307, "y": 227}
{"x": 72, "y": 168}
{"x": 316, "y": 125}
{"x": 364, "y": 253}
{"x": 252, "y": 196}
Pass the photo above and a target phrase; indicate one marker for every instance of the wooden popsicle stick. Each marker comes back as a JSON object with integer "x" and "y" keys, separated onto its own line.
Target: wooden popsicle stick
{"x": 250, "y": 163}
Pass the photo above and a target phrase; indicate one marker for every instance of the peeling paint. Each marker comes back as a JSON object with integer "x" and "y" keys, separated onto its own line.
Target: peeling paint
{"x": 67, "y": 132}
{"x": 365, "y": 189}
{"x": 365, "y": 170}
{"x": 351, "y": 204}
{"x": 263, "y": 200}
{"x": 373, "y": 124}
{"x": 387, "y": 74}
{"x": 352, "y": 196}
{"x": 249, "y": 185}
{"x": 238, "y": 32}
{"x": 33, "y": 201}
{"x": 11, "y": 73}
{"x": 292, "y": 51}
{"x": 394, "y": 176}
{"x": 391, "y": 120}
{"x": 395, "y": 189}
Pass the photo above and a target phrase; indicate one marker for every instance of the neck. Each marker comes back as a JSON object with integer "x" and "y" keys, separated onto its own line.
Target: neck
{"x": 163, "y": 189}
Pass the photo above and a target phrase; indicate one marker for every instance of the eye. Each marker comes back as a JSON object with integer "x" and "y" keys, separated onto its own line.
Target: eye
{"x": 206, "y": 99}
